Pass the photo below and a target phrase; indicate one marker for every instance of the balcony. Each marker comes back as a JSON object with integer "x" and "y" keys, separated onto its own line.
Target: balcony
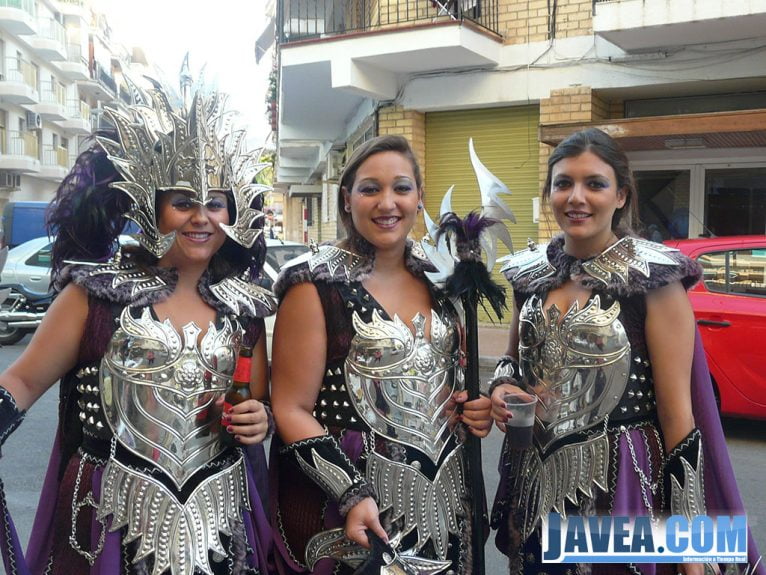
{"x": 309, "y": 19}
{"x": 75, "y": 66}
{"x": 18, "y": 17}
{"x": 50, "y": 41}
{"x": 53, "y": 102}
{"x": 21, "y": 153}
{"x": 55, "y": 163}
{"x": 19, "y": 83}
{"x": 71, "y": 8}
{"x": 99, "y": 85}
{"x": 645, "y": 25}
{"x": 334, "y": 54}
{"x": 78, "y": 117}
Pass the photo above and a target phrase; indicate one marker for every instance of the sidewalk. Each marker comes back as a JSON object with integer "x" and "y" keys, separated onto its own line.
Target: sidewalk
{"x": 493, "y": 342}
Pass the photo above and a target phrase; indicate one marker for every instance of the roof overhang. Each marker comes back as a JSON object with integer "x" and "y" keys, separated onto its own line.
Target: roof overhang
{"x": 739, "y": 129}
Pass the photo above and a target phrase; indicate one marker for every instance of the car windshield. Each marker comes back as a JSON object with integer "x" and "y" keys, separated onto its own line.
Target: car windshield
{"x": 277, "y": 256}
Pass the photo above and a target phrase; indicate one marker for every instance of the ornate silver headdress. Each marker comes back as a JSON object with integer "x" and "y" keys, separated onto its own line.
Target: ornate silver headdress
{"x": 196, "y": 150}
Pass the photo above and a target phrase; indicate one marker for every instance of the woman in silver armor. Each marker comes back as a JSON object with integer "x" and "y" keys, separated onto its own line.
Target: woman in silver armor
{"x": 604, "y": 335}
{"x": 145, "y": 343}
{"x": 367, "y": 389}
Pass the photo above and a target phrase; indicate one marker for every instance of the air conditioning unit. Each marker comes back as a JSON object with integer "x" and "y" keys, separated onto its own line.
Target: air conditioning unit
{"x": 334, "y": 165}
{"x": 10, "y": 180}
{"x": 34, "y": 121}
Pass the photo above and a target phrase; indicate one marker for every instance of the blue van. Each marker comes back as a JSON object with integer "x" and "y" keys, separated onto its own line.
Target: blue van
{"x": 23, "y": 221}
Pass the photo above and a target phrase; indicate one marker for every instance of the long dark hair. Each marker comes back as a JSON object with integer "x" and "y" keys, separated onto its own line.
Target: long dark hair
{"x": 390, "y": 143}
{"x": 625, "y": 220}
{"x": 87, "y": 217}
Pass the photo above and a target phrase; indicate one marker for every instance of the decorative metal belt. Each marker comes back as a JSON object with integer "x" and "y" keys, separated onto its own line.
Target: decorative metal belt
{"x": 179, "y": 535}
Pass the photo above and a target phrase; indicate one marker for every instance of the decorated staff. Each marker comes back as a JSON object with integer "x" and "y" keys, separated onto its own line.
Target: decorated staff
{"x": 457, "y": 252}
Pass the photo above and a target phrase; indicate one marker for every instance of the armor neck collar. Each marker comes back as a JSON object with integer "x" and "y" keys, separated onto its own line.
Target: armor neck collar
{"x": 631, "y": 266}
{"x": 331, "y": 264}
{"x": 126, "y": 283}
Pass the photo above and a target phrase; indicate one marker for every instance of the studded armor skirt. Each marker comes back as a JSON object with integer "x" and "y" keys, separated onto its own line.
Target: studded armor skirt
{"x": 627, "y": 482}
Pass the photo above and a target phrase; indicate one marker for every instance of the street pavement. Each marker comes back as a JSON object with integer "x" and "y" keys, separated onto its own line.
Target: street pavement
{"x": 26, "y": 453}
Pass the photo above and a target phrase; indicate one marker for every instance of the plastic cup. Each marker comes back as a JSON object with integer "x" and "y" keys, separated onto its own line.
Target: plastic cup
{"x": 519, "y": 427}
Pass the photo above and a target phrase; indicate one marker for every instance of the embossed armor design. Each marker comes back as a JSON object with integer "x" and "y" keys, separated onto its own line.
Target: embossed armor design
{"x": 159, "y": 389}
{"x": 577, "y": 365}
{"x": 401, "y": 384}
{"x": 177, "y": 534}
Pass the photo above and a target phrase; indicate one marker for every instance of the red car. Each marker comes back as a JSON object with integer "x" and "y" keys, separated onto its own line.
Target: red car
{"x": 730, "y": 306}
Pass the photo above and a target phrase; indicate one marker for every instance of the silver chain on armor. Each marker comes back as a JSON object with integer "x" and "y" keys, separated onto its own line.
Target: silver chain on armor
{"x": 88, "y": 500}
{"x": 642, "y": 479}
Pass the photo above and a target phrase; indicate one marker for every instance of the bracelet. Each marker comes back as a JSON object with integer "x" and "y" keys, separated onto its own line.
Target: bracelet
{"x": 506, "y": 371}
{"x": 269, "y": 419}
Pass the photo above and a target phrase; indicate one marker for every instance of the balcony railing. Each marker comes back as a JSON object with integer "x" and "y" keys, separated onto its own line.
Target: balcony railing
{"x": 22, "y": 144}
{"x": 29, "y": 6}
{"x": 53, "y": 93}
{"x": 74, "y": 54}
{"x": 103, "y": 76}
{"x": 22, "y": 72}
{"x": 306, "y": 19}
{"x": 52, "y": 30}
{"x": 55, "y": 156}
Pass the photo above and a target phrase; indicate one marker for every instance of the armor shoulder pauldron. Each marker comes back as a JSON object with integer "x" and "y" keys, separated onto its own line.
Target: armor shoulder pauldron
{"x": 323, "y": 263}
{"x": 244, "y": 297}
{"x": 122, "y": 282}
{"x": 526, "y": 266}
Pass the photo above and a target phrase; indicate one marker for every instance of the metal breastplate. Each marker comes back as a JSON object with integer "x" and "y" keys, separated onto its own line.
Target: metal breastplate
{"x": 401, "y": 384}
{"x": 578, "y": 366}
{"x": 159, "y": 390}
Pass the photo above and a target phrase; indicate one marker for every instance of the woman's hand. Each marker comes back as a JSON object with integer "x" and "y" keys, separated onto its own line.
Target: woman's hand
{"x": 247, "y": 421}
{"x": 476, "y": 413}
{"x": 362, "y": 516}
{"x": 499, "y": 412}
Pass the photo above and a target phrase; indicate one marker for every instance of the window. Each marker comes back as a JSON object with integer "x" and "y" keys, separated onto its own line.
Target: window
{"x": 42, "y": 258}
{"x": 741, "y": 272}
{"x": 663, "y": 203}
{"x": 277, "y": 256}
{"x": 735, "y": 201}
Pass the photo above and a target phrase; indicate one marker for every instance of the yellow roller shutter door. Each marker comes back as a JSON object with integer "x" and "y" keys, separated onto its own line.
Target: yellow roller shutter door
{"x": 506, "y": 141}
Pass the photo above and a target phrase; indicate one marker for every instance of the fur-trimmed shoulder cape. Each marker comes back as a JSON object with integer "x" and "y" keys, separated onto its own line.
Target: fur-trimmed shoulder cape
{"x": 629, "y": 267}
{"x": 331, "y": 264}
{"x": 126, "y": 283}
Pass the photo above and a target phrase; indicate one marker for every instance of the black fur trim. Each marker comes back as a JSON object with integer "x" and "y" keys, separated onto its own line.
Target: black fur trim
{"x": 567, "y": 267}
{"x": 354, "y": 495}
{"x": 98, "y": 281}
{"x": 414, "y": 258}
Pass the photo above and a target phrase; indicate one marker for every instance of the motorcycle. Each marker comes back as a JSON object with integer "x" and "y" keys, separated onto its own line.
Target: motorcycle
{"x": 21, "y": 312}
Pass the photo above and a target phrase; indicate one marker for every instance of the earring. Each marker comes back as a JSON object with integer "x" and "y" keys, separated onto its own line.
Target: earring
{"x": 420, "y": 207}
{"x": 347, "y": 207}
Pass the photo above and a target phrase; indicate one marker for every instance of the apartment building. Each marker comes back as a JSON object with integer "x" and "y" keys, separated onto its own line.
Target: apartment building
{"x": 57, "y": 68}
{"x": 681, "y": 84}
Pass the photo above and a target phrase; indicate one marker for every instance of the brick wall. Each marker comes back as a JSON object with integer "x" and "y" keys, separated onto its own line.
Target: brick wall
{"x": 412, "y": 125}
{"x": 576, "y": 105}
{"x": 522, "y": 21}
